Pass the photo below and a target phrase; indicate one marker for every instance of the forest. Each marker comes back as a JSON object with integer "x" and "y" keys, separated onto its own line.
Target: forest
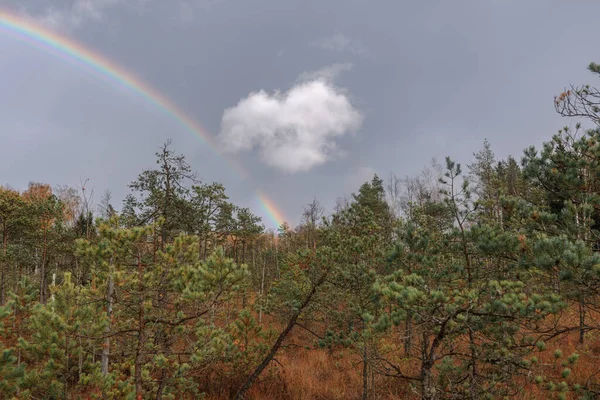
{"x": 461, "y": 282}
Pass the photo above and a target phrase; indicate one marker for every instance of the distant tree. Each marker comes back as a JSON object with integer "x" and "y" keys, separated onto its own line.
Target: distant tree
{"x": 485, "y": 182}
{"x": 12, "y": 219}
{"x": 105, "y": 208}
{"x": 420, "y": 191}
{"x": 311, "y": 219}
{"x": 393, "y": 189}
{"x": 581, "y": 101}
{"x": 71, "y": 202}
{"x": 248, "y": 228}
{"x": 45, "y": 210}
{"x": 372, "y": 196}
{"x": 208, "y": 202}
{"x": 341, "y": 203}
{"x": 161, "y": 193}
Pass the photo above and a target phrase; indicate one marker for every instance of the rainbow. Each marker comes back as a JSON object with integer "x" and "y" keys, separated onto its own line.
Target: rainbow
{"x": 270, "y": 208}
{"x": 74, "y": 52}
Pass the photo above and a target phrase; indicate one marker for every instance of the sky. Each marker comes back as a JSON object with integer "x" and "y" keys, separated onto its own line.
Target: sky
{"x": 309, "y": 97}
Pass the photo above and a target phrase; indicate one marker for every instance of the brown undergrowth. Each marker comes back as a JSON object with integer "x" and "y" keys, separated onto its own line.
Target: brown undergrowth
{"x": 302, "y": 371}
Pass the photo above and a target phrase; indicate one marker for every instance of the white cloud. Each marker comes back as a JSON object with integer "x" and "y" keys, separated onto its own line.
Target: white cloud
{"x": 329, "y": 73}
{"x": 75, "y": 13}
{"x": 342, "y": 43}
{"x": 295, "y": 130}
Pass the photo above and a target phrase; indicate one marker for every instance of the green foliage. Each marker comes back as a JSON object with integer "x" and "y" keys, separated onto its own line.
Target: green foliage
{"x": 458, "y": 287}
{"x": 452, "y": 285}
{"x": 163, "y": 298}
{"x": 248, "y": 346}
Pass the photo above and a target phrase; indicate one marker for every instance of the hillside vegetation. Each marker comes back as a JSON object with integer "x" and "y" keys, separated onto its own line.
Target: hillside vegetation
{"x": 462, "y": 282}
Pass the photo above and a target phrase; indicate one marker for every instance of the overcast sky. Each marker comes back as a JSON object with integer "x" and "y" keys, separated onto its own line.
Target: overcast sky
{"x": 311, "y": 97}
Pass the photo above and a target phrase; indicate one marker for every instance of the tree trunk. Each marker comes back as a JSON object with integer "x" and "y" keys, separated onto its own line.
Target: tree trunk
{"x": 106, "y": 345}
{"x": 244, "y": 251}
{"x": 207, "y": 225}
{"x": 428, "y": 357}
{"x": 245, "y": 291}
{"x": 408, "y": 335}
{"x": 139, "y": 351}
{"x": 581, "y": 321}
{"x": 277, "y": 259}
{"x": 4, "y": 264}
{"x": 365, "y": 374}
{"x": 428, "y": 387}
{"x": 473, "y": 364}
{"x": 166, "y": 233}
{"x": 66, "y": 369}
{"x": 161, "y": 384}
{"x": 43, "y": 270}
{"x": 262, "y": 289}
{"x": 139, "y": 356}
{"x": 428, "y": 391}
{"x": 265, "y": 362}
{"x": 165, "y": 212}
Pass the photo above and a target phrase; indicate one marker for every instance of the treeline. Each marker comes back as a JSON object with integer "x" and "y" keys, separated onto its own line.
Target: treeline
{"x": 457, "y": 283}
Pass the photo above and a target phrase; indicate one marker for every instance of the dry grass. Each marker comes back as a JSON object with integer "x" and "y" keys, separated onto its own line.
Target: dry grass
{"x": 311, "y": 374}
{"x": 304, "y": 373}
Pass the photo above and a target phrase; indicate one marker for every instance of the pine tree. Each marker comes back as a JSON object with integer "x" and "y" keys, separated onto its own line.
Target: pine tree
{"x": 12, "y": 219}
{"x": 581, "y": 101}
{"x": 207, "y": 202}
{"x": 566, "y": 172}
{"x": 46, "y": 212}
{"x": 371, "y": 195}
{"x": 61, "y": 361}
{"x": 359, "y": 246}
{"x": 486, "y": 186}
{"x": 161, "y": 193}
{"x": 468, "y": 316}
{"x": 156, "y": 299}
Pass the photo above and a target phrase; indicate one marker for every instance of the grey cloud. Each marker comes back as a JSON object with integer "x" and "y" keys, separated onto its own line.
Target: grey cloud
{"x": 329, "y": 73}
{"x": 190, "y": 9}
{"x": 342, "y": 43}
{"x": 71, "y": 14}
{"x": 444, "y": 75}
